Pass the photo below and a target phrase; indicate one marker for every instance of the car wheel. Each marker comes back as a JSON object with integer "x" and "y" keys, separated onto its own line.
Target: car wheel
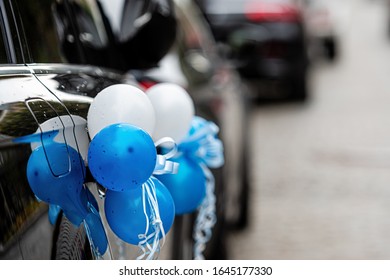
{"x": 70, "y": 242}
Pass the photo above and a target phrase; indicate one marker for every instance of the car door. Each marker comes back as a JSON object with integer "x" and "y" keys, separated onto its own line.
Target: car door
{"x": 76, "y": 64}
{"x": 25, "y": 105}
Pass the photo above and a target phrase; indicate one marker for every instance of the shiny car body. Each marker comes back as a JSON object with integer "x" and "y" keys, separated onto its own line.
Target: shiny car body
{"x": 53, "y": 76}
{"x": 45, "y": 76}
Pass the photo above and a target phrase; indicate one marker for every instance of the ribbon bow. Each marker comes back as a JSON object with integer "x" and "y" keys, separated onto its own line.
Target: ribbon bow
{"x": 163, "y": 165}
{"x": 202, "y": 143}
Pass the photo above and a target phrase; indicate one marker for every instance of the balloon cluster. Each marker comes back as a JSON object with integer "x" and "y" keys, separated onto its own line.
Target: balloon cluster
{"x": 144, "y": 190}
{"x": 122, "y": 157}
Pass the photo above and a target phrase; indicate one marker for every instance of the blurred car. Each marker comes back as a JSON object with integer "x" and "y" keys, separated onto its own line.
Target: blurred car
{"x": 219, "y": 95}
{"x": 321, "y": 27}
{"x": 266, "y": 40}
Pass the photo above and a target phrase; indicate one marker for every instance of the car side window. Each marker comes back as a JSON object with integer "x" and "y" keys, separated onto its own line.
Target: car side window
{"x": 42, "y": 31}
{"x": 3, "y": 52}
{"x": 91, "y": 32}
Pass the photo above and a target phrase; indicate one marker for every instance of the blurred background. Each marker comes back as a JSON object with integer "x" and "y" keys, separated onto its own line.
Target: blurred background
{"x": 319, "y": 171}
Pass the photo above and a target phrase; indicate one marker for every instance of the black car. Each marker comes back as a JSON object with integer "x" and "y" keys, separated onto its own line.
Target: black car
{"x": 56, "y": 56}
{"x": 266, "y": 39}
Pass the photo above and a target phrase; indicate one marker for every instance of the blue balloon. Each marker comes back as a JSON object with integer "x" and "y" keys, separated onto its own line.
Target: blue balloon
{"x": 97, "y": 233}
{"x": 55, "y": 173}
{"x": 187, "y": 187}
{"x": 54, "y": 212}
{"x": 121, "y": 157}
{"x": 89, "y": 200}
{"x": 74, "y": 215}
{"x": 125, "y": 212}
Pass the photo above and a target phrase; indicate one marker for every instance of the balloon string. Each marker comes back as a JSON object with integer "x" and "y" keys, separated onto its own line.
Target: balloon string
{"x": 206, "y": 218}
{"x": 150, "y": 244}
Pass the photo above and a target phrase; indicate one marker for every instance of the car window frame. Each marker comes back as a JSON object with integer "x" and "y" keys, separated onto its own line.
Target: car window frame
{"x": 7, "y": 24}
{"x": 24, "y": 43}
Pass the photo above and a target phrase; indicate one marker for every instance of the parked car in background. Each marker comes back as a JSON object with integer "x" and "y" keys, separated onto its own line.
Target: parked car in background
{"x": 266, "y": 40}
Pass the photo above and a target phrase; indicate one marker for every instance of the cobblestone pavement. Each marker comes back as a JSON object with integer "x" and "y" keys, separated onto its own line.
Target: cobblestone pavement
{"x": 321, "y": 170}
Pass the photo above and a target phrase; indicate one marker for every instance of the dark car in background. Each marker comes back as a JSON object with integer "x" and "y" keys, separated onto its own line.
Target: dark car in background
{"x": 56, "y": 56}
{"x": 265, "y": 39}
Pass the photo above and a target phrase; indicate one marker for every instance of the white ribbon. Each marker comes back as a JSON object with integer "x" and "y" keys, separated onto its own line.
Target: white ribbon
{"x": 163, "y": 165}
{"x": 206, "y": 218}
{"x": 150, "y": 243}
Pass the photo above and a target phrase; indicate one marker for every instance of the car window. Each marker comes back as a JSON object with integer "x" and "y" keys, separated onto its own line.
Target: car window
{"x": 11, "y": 49}
{"x": 3, "y": 52}
{"x": 40, "y": 30}
{"x": 88, "y": 18}
{"x": 93, "y": 33}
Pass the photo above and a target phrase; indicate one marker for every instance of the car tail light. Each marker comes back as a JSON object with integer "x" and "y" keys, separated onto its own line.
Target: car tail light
{"x": 263, "y": 11}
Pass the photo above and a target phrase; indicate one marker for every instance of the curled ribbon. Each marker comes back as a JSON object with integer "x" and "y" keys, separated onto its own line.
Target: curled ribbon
{"x": 206, "y": 218}
{"x": 163, "y": 165}
{"x": 150, "y": 243}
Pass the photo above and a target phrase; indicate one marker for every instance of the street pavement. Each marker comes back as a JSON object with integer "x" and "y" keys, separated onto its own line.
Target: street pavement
{"x": 320, "y": 170}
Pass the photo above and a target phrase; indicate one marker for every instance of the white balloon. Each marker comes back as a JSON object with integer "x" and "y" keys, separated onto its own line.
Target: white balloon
{"x": 69, "y": 129}
{"x": 174, "y": 110}
{"x": 120, "y": 103}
